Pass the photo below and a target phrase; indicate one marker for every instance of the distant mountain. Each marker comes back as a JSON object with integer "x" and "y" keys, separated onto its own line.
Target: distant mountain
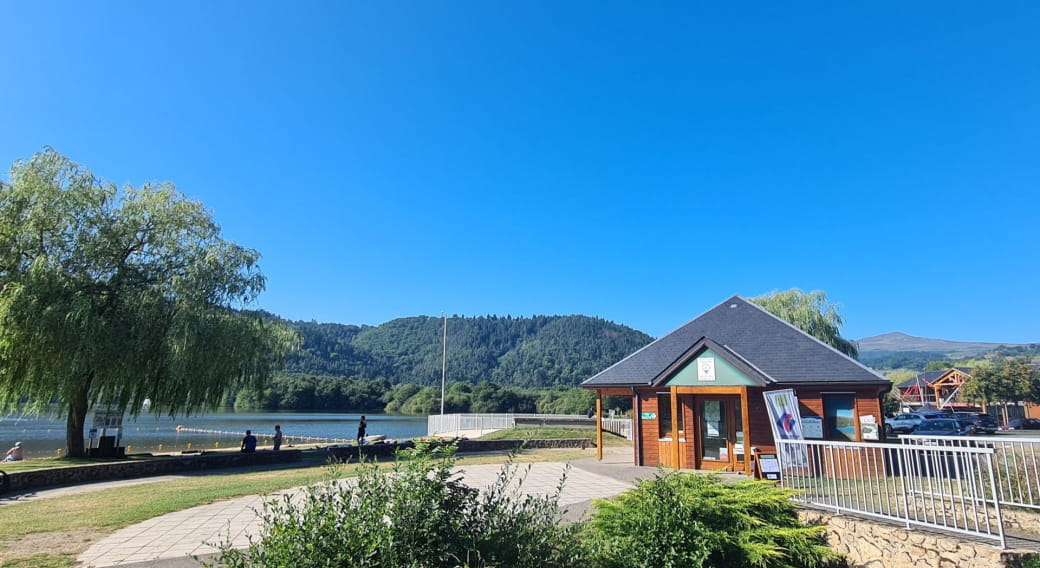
{"x": 901, "y": 351}
{"x": 903, "y": 343}
{"x": 533, "y": 351}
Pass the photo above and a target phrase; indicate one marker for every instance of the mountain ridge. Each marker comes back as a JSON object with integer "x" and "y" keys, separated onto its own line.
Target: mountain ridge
{"x": 899, "y": 342}
{"x": 535, "y": 351}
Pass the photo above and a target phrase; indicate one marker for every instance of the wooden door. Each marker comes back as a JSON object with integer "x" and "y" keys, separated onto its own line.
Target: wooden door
{"x": 720, "y": 433}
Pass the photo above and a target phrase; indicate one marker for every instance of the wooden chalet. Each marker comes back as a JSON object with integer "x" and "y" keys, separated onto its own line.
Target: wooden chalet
{"x": 697, "y": 392}
{"x": 936, "y": 389}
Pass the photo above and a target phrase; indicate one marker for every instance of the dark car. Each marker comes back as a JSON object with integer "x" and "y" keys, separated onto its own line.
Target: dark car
{"x": 945, "y": 427}
{"x": 983, "y": 422}
{"x": 1022, "y": 424}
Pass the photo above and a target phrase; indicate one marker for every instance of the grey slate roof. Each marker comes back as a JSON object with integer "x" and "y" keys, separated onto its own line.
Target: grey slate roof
{"x": 930, "y": 377}
{"x": 751, "y": 337}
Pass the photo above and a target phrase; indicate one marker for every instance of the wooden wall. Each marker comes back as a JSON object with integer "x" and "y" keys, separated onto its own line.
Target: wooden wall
{"x": 760, "y": 433}
{"x": 649, "y": 447}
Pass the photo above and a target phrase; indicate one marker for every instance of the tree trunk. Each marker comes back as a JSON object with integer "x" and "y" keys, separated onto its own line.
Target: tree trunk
{"x": 77, "y": 419}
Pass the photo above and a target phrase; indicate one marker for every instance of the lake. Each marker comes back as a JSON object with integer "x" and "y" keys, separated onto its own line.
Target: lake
{"x": 42, "y": 437}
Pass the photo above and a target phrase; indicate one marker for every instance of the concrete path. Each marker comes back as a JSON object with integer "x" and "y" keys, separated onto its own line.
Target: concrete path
{"x": 170, "y": 541}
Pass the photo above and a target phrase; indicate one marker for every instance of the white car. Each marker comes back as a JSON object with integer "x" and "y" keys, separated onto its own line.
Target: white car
{"x": 909, "y": 421}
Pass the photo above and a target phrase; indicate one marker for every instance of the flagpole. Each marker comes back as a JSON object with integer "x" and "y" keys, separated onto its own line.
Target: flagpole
{"x": 444, "y": 358}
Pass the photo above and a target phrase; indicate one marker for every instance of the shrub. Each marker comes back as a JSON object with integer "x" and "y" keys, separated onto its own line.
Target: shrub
{"x": 416, "y": 513}
{"x": 693, "y": 520}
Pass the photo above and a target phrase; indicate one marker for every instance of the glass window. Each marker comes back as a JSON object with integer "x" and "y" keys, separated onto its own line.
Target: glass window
{"x": 839, "y": 417}
{"x": 664, "y": 415}
{"x": 714, "y": 437}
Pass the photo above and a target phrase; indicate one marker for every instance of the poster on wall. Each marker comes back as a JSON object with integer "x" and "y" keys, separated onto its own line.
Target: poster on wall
{"x": 712, "y": 417}
{"x": 812, "y": 427}
{"x": 706, "y": 369}
{"x": 868, "y": 428}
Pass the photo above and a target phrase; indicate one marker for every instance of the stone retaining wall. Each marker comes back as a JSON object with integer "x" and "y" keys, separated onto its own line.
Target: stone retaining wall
{"x": 875, "y": 544}
{"x": 159, "y": 465}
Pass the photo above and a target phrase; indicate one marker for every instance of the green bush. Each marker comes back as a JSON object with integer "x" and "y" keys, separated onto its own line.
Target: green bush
{"x": 416, "y": 513}
{"x": 692, "y": 521}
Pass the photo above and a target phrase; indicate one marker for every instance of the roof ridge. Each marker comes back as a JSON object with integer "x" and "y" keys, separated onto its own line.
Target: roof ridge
{"x": 656, "y": 339}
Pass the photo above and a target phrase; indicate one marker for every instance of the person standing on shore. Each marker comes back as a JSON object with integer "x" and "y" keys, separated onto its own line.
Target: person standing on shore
{"x": 362, "y": 427}
{"x": 277, "y": 439}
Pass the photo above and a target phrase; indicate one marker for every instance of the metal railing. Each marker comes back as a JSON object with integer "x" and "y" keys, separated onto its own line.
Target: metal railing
{"x": 1016, "y": 463}
{"x": 942, "y": 487}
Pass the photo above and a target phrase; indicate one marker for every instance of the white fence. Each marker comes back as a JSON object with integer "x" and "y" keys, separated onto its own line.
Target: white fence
{"x": 1016, "y": 462}
{"x": 454, "y": 423}
{"x": 952, "y": 484}
{"x": 483, "y": 423}
{"x": 619, "y": 426}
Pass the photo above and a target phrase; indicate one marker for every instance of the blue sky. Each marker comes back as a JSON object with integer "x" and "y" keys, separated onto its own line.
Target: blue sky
{"x": 640, "y": 162}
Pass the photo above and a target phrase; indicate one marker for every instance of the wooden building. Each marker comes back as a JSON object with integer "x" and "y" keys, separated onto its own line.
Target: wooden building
{"x": 936, "y": 389}
{"x": 697, "y": 392}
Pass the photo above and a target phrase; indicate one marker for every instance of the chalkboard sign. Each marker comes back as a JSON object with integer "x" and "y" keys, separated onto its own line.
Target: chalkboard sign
{"x": 769, "y": 467}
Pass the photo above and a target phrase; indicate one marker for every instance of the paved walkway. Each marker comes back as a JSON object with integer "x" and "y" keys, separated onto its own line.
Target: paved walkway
{"x": 170, "y": 541}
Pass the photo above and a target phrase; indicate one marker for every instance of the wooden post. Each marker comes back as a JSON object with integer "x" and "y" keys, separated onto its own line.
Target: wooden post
{"x": 746, "y": 419}
{"x": 637, "y": 428}
{"x": 599, "y": 425}
{"x": 675, "y": 426}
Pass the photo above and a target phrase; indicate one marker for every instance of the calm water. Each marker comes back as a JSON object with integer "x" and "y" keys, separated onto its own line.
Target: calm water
{"x": 44, "y": 437}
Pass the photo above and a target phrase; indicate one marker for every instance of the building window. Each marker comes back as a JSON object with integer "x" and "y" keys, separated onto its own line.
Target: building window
{"x": 839, "y": 417}
{"x": 664, "y": 416}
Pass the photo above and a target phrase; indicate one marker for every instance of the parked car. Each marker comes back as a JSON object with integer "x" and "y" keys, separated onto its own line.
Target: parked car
{"x": 983, "y": 422}
{"x": 945, "y": 427}
{"x": 908, "y": 422}
{"x": 1022, "y": 424}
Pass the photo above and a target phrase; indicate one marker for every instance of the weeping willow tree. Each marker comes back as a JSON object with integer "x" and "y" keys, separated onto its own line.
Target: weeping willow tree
{"x": 812, "y": 313}
{"x": 110, "y": 296}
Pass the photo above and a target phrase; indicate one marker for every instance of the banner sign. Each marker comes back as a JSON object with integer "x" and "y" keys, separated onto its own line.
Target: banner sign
{"x": 786, "y": 422}
{"x": 784, "y": 417}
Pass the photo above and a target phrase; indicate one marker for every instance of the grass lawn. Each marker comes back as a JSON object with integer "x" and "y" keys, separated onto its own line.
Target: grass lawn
{"x": 44, "y": 463}
{"x": 50, "y": 533}
{"x": 550, "y": 433}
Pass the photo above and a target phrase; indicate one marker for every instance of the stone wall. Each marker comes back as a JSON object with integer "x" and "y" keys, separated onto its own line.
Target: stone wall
{"x": 876, "y": 544}
{"x": 144, "y": 467}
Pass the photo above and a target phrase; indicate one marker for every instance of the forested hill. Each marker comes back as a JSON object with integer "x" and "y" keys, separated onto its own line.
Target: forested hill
{"x": 524, "y": 351}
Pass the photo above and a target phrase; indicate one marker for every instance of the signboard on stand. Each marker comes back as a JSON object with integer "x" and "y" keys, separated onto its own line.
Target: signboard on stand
{"x": 104, "y": 419}
{"x": 769, "y": 467}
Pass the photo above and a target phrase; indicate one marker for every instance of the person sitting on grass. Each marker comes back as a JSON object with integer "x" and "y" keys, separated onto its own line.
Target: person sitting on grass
{"x": 15, "y": 453}
{"x": 249, "y": 442}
